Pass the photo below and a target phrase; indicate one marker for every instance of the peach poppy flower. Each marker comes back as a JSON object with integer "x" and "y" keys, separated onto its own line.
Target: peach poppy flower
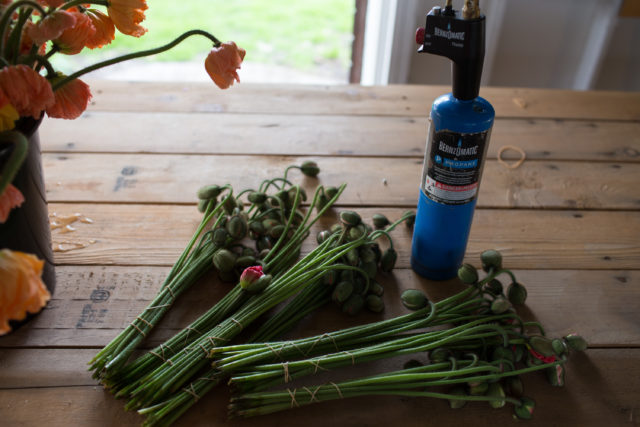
{"x": 105, "y": 30}
{"x": 73, "y": 40}
{"x": 28, "y": 92}
{"x": 222, "y": 62}
{"x": 22, "y": 288}
{"x": 51, "y": 26}
{"x": 26, "y": 43}
{"x": 127, "y": 15}
{"x": 10, "y": 198}
{"x": 70, "y": 100}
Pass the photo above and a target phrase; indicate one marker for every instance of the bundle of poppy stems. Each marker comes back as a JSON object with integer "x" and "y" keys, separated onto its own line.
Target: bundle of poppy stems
{"x": 477, "y": 345}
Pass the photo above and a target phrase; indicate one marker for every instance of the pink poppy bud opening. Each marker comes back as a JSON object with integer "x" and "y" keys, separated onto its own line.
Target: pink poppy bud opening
{"x": 250, "y": 275}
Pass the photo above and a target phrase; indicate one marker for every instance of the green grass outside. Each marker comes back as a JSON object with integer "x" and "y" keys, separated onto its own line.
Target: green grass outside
{"x": 296, "y": 33}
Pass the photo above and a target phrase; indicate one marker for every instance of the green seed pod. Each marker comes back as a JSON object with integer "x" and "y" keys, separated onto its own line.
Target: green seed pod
{"x": 576, "y": 342}
{"x": 224, "y": 260}
{"x": 555, "y": 375}
{"x": 516, "y": 293}
{"x": 374, "y": 303}
{"x": 350, "y": 218}
{"x": 457, "y": 403}
{"x": 356, "y": 232}
{"x": 219, "y": 237}
{"x": 514, "y": 386}
{"x": 276, "y": 231}
{"x": 468, "y": 274}
{"x": 439, "y": 355}
{"x": 367, "y": 254}
{"x": 257, "y": 227}
{"x": 496, "y": 391}
{"x": 259, "y": 285}
{"x": 525, "y": 410}
{"x": 494, "y": 287}
{"x": 376, "y": 288}
{"x": 414, "y": 299}
{"x": 491, "y": 259}
{"x": 269, "y": 223}
{"x": 352, "y": 257}
{"x": 237, "y": 228}
{"x": 330, "y": 278}
{"x": 342, "y": 292}
{"x": 380, "y": 221}
{"x": 263, "y": 243}
{"x": 500, "y": 305}
{"x": 388, "y": 260}
{"x": 353, "y": 305}
{"x": 410, "y": 220}
{"x": 542, "y": 345}
{"x": 559, "y": 348}
{"x": 209, "y": 192}
{"x": 331, "y": 192}
{"x": 202, "y": 205}
{"x": 478, "y": 388}
{"x": 322, "y": 236}
{"x": 413, "y": 363}
{"x": 257, "y": 197}
{"x": 245, "y": 261}
{"x": 371, "y": 268}
{"x": 310, "y": 168}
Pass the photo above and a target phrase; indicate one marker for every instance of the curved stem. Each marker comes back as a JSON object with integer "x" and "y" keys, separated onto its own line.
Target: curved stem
{"x": 135, "y": 55}
{"x": 7, "y": 15}
{"x": 15, "y": 160}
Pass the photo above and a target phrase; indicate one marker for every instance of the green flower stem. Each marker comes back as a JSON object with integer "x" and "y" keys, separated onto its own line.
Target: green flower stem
{"x": 134, "y": 55}
{"x": 13, "y": 44}
{"x": 19, "y": 153}
{"x": 7, "y": 16}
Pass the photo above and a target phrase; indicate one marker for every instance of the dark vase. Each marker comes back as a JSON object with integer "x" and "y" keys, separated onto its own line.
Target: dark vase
{"x": 27, "y": 228}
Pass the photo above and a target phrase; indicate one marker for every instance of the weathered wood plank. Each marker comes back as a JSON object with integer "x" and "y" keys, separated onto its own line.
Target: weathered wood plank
{"x": 137, "y": 235}
{"x": 272, "y": 134}
{"x": 92, "y": 304}
{"x": 372, "y": 181}
{"x": 600, "y": 391}
{"x": 400, "y": 100}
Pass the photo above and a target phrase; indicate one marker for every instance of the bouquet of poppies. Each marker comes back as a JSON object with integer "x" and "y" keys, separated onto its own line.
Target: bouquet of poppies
{"x": 31, "y": 32}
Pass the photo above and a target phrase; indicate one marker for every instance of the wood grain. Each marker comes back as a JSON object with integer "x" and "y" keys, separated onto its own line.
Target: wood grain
{"x": 275, "y": 134}
{"x": 599, "y": 392}
{"x": 93, "y": 304}
{"x": 372, "y": 181}
{"x": 393, "y": 100}
{"x": 136, "y": 235}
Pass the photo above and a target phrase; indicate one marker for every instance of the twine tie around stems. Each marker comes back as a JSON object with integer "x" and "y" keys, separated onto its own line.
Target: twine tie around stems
{"x": 316, "y": 364}
{"x": 312, "y": 394}
{"x": 190, "y": 390}
{"x": 285, "y": 367}
{"x": 337, "y": 389}
{"x": 293, "y": 397}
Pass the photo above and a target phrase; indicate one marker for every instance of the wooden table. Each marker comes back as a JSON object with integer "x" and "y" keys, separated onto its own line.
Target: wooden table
{"x": 567, "y": 221}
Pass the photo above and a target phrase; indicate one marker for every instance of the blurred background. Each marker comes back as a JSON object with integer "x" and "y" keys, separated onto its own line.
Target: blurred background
{"x": 569, "y": 44}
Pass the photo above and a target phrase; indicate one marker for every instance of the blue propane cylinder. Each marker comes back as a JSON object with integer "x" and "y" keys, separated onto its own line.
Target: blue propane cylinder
{"x": 454, "y": 158}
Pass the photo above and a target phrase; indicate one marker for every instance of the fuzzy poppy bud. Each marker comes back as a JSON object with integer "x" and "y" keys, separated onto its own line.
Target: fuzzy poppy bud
{"x": 352, "y": 257}
{"x": 263, "y": 243}
{"x": 250, "y": 275}
{"x": 411, "y": 219}
{"x": 497, "y": 392}
{"x": 500, "y": 305}
{"x": 237, "y": 228}
{"x": 245, "y": 261}
{"x": 380, "y": 221}
{"x": 524, "y": 411}
{"x": 542, "y": 345}
{"x": 224, "y": 260}
{"x": 263, "y": 253}
{"x": 367, "y": 254}
{"x": 292, "y": 193}
{"x": 282, "y": 196}
{"x": 439, "y": 355}
{"x": 558, "y": 346}
{"x": 388, "y": 260}
{"x": 370, "y": 267}
{"x": 219, "y": 237}
{"x": 516, "y": 293}
{"x": 276, "y": 231}
{"x": 209, "y": 192}
{"x": 478, "y": 388}
{"x": 331, "y": 192}
{"x": 576, "y": 342}
{"x": 336, "y": 228}
{"x": 514, "y": 386}
{"x": 323, "y": 200}
{"x": 259, "y": 285}
{"x": 414, "y": 299}
{"x": 491, "y": 259}
{"x": 376, "y": 288}
{"x": 257, "y": 197}
{"x": 257, "y": 227}
{"x": 350, "y": 218}
{"x": 342, "y": 292}
{"x": 494, "y": 287}
{"x": 310, "y": 168}
{"x": 374, "y": 303}
{"x": 357, "y": 232}
{"x": 330, "y": 278}
{"x": 555, "y": 375}
{"x": 353, "y": 305}
{"x": 230, "y": 203}
{"x": 468, "y": 274}
{"x": 457, "y": 403}
{"x": 202, "y": 205}
{"x": 322, "y": 236}
{"x": 500, "y": 353}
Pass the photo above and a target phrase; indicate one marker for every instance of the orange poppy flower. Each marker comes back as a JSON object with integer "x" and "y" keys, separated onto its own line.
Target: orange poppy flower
{"x": 73, "y": 39}
{"x": 51, "y": 26}
{"x": 22, "y": 288}
{"x": 127, "y": 15}
{"x": 222, "y": 62}
{"x": 70, "y": 100}
{"x": 10, "y": 198}
{"x": 105, "y": 30}
{"x": 28, "y": 92}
